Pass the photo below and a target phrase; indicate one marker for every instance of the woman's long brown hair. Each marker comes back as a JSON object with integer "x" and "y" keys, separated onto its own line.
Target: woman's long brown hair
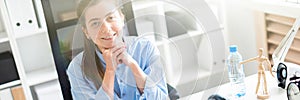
{"x": 91, "y": 66}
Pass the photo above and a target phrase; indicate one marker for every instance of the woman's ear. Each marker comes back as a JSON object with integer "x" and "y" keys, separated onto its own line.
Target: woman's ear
{"x": 85, "y": 32}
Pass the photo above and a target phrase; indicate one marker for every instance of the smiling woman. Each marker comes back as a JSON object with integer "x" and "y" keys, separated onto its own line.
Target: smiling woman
{"x": 113, "y": 66}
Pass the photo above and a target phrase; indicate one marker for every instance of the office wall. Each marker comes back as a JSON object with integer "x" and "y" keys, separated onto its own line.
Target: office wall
{"x": 239, "y": 29}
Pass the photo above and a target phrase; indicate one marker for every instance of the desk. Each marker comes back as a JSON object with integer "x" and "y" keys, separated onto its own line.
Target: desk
{"x": 276, "y": 93}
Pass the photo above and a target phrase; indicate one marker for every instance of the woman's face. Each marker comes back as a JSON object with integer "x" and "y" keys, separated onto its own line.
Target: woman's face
{"x": 102, "y": 25}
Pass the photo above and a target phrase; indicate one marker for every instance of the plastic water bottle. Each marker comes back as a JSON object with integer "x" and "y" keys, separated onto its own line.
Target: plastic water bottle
{"x": 236, "y": 72}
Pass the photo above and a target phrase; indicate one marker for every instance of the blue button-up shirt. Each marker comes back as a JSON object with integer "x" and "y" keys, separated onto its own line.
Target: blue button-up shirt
{"x": 146, "y": 55}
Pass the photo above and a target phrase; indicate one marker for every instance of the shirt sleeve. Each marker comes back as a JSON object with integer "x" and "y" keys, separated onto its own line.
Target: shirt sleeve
{"x": 155, "y": 86}
{"x": 81, "y": 89}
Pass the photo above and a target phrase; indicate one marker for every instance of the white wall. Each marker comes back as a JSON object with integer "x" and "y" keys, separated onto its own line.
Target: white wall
{"x": 239, "y": 29}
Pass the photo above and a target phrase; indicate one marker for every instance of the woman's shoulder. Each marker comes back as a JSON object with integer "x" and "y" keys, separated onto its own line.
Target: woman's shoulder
{"x": 138, "y": 41}
{"x": 75, "y": 63}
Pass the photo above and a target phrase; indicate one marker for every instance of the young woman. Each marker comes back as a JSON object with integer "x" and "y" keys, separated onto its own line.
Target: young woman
{"x": 112, "y": 66}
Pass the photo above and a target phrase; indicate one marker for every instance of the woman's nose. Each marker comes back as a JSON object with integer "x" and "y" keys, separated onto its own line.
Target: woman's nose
{"x": 105, "y": 28}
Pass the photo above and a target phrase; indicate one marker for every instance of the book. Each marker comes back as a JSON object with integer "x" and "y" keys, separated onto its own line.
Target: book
{"x": 65, "y": 16}
{"x": 18, "y": 93}
{"x": 48, "y": 91}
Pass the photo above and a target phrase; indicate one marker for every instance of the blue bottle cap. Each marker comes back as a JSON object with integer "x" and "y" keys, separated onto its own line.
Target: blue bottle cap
{"x": 233, "y": 48}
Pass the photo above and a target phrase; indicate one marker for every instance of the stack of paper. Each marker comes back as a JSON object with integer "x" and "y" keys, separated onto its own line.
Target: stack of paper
{"x": 6, "y": 94}
{"x": 48, "y": 91}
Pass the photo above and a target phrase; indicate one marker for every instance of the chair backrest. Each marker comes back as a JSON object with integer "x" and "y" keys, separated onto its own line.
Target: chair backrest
{"x": 172, "y": 92}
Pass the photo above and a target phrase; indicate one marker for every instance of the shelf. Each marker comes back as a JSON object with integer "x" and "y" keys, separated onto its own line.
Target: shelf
{"x": 66, "y": 23}
{"x": 280, "y": 19}
{"x": 41, "y": 76}
{"x": 277, "y": 27}
{"x": 3, "y": 37}
{"x": 189, "y": 34}
{"x": 10, "y": 84}
{"x": 68, "y": 15}
{"x": 276, "y": 39}
{"x": 281, "y": 29}
{"x": 23, "y": 35}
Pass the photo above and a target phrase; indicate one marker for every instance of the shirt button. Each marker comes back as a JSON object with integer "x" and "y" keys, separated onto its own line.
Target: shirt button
{"x": 123, "y": 94}
{"x": 121, "y": 81}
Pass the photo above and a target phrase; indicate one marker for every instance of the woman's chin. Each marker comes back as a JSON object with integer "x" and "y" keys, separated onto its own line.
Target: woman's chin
{"x": 109, "y": 46}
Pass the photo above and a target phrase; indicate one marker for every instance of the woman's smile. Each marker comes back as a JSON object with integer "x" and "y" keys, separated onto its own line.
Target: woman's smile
{"x": 109, "y": 38}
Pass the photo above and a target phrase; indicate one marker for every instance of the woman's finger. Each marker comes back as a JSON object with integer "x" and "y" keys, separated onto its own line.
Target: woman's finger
{"x": 124, "y": 58}
{"x": 119, "y": 55}
{"x": 118, "y": 52}
{"x": 117, "y": 47}
{"x": 120, "y": 58}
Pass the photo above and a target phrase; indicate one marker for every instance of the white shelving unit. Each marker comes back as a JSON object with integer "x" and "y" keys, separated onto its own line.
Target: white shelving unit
{"x": 30, "y": 48}
{"x": 181, "y": 52}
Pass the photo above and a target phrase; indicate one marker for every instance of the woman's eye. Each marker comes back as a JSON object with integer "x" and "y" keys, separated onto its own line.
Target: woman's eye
{"x": 111, "y": 18}
{"x": 95, "y": 24}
